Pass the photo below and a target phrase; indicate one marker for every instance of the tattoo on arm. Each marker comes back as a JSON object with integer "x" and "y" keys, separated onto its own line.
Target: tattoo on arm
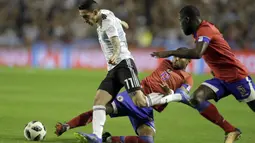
{"x": 116, "y": 45}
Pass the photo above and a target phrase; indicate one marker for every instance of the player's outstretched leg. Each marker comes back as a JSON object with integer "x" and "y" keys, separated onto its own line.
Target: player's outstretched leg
{"x": 146, "y": 135}
{"x": 126, "y": 139}
{"x": 211, "y": 113}
{"x": 201, "y": 94}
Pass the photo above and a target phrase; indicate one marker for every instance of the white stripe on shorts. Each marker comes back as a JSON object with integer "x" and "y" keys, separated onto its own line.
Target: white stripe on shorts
{"x": 134, "y": 76}
{"x": 215, "y": 89}
{"x": 251, "y": 97}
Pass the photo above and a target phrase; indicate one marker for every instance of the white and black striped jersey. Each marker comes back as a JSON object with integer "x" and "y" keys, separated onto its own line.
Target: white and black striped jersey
{"x": 111, "y": 26}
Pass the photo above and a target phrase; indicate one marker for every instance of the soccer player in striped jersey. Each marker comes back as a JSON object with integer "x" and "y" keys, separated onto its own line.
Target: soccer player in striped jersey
{"x": 122, "y": 71}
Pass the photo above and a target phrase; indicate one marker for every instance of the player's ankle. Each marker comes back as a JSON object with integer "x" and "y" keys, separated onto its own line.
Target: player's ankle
{"x": 68, "y": 127}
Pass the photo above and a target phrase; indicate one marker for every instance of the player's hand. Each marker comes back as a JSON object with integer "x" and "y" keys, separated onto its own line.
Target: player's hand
{"x": 113, "y": 59}
{"x": 163, "y": 54}
{"x": 166, "y": 88}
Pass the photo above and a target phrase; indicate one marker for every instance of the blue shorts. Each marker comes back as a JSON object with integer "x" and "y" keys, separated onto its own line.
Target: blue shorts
{"x": 124, "y": 106}
{"x": 243, "y": 90}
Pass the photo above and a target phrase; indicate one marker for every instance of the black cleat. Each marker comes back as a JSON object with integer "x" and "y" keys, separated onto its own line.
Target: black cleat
{"x": 105, "y": 137}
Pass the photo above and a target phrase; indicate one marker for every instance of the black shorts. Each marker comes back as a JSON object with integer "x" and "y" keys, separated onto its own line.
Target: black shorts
{"x": 123, "y": 74}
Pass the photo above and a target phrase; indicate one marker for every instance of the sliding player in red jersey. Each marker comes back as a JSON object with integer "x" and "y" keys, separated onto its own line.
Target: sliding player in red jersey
{"x": 230, "y": 75}
{"x": 169, "y": 73}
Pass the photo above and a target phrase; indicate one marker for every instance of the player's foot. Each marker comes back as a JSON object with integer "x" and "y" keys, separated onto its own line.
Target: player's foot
{"x": 106, "y": 138}
{"x": 87, "y": 138}
{"x": 61, "y": 128}
{"x": 233, "y": 136}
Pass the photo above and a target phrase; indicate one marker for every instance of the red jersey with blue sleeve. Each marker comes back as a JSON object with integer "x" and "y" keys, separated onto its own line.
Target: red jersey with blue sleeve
{"x": 218, "y": 55}
{"x": 166, "y": 73}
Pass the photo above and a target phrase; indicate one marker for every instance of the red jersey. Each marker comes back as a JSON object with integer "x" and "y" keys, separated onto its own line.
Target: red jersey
{"x": 218, "y": 54}
{"x": 165, "y": 73}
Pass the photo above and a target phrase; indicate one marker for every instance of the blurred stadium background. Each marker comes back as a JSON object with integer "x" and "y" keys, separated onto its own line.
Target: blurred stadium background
{"x": 51, "y": 63}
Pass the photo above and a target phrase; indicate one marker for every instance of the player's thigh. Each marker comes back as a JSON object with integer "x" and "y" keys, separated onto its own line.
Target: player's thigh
{"x": 102, "y": 97}
{"x": 211, "y": 89}
{"x": 127, "y": 75}
{"x": 140, "y": 117}
{"x": 143, "y": 126}
{"x": 243, "y": 90}
{"x": 107, "y": 91}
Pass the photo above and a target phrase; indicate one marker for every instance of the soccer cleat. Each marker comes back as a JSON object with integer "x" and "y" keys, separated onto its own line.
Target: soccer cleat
{"x": 233, "y": 136}
{"x": 106, "y": 137}
{"x": 87, "y": 138}
{"x": 61, "y": 128}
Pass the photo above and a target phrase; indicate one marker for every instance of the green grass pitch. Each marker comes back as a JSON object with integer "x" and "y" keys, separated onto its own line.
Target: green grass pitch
{"x": 56, "y": 95}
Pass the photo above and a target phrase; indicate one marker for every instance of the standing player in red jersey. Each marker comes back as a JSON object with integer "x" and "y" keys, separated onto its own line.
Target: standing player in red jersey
{"x": 230, "y": 75}
{"x": 171, "y": 74}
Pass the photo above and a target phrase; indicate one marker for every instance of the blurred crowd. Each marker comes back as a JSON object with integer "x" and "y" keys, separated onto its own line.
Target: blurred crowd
{"x": 153, "y": 23}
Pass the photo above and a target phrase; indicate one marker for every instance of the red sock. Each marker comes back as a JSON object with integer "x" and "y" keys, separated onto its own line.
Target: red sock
{"x": 211, "y": 113}
{"x": 81, "y": 120}
{"x": 127, "y": 139}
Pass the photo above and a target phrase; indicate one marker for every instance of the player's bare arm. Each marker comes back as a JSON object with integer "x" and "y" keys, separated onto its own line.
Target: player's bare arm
{"x": 194, "y": 53}
{"x": 116, "y": 49}
{"x": 124, "y": 24}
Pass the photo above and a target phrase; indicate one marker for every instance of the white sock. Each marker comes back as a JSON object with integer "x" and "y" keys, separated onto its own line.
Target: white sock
{"x": 158, "y": 99}
{"x": 99, "y": 118}
{"x": 153, "y": 99}
{"x": 171, "y": 98}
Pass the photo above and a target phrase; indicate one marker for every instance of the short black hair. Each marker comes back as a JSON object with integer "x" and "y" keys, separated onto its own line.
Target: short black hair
{"x": 190, "y": 11}
{"x": 88, "y": 5}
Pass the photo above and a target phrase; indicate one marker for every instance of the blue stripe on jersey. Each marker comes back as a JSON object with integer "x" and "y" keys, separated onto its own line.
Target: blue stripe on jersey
{"x": 203, "y": 39}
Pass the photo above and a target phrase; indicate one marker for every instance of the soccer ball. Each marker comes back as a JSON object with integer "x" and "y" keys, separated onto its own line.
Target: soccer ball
{"x": 35, "y": 131}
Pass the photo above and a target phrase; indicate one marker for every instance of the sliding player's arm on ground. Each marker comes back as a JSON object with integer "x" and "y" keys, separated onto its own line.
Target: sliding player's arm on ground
{"x": 112, "y": 33}
{"x": 204, "y": 35}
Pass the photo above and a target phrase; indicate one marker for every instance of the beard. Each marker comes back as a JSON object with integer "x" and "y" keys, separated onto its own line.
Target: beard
{"x": 187, "y": 30}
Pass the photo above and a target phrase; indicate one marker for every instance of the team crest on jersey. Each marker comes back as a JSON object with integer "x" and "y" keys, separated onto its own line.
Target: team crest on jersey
{"x": 165, "y": 75}
{"x": 120, "y": 98}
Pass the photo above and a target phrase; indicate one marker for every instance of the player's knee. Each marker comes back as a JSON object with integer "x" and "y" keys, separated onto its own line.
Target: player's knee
{"x": 140, "y": 102}
{"x": 109, "y": 109}
{"x": 102, "y": 98}
{"x": 139, "y": 99}
{"x": 145, "y": 130}
{"x": 196, "y": 99}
